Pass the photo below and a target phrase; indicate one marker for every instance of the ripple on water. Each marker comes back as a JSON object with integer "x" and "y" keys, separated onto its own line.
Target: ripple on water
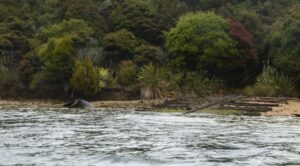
{"x": 43, "y": 136}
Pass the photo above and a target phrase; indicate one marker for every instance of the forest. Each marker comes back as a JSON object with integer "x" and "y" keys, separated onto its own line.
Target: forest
{"x": 149, "y": 48}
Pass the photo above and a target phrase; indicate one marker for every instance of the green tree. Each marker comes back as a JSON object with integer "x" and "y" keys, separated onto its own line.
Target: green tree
{"x": 201, "y": 42}
{"x": 126, "y": 73}
{"x": 119, "y": 46}
{"x": 146, "y": 54}
{"x": 87, "y": 80}
{"x": 137, "y": 17}
{"x": 286, "y": 50}
{"x": 86, "y": 10}
{"x": 58, "y": 53}
{"x": 57, "y": 56}
{"x": 73, "y": 27}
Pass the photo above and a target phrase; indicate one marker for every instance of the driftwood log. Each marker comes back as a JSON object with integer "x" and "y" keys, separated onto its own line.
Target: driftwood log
{"x": 79, "y": 103}
{"x": 222, "y": 101}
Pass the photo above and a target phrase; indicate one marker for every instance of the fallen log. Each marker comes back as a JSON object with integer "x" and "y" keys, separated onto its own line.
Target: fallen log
{"x": 253, "y": 109}
{"x": 224, "y": 100}
{"x": 244, "y": 103}
{"x": 297, "y": 115}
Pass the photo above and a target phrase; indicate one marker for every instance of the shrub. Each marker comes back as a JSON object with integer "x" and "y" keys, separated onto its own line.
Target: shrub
{"x": 118, "y": 46}
{"x": 38, "y": 79}
{"x": 146, "y": 54}
{"x": 272, "y": 83}
{"x": 8, "y": 78}
{"x": 126, "y": 73}
{"x": 261, "y": 90}
{"x": 27, "y": 67}
{"x": 153, "y": 79}
{"x": 199, "y": 84}
{"x": 87, "y": 79}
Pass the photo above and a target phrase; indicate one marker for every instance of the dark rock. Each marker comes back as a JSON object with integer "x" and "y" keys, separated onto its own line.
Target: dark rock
{"x": 297, "y": 115}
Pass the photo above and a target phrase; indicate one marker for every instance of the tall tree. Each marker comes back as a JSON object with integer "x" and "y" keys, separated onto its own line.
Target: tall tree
{"x": 137, "y": 17}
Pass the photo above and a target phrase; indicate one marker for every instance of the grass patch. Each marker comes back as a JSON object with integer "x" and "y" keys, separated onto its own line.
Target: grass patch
{"x": 272, "y": 83}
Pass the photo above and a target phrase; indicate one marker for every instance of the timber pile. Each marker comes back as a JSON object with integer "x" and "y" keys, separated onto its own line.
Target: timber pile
{"x": 251, "y": 105}
{"x": 257, "y": 104}
{"x": 181, "y": 103}
{"x": 195, "y": 104}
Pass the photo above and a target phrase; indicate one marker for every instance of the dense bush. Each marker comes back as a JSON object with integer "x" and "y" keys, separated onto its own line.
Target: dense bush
{"x": 126, "y": 73}
{"x": 153, "y": 79}
{"x": 137, "y": 17}
{"x": 200, "y": 85}
{"x": 57, "y": 56}
{"x": 272, "y": 83}
{"x": 119, "y": 46}
{"x": 8, "y": 77}
{"x": 200, "y": 42}
{"x": 146, "y": 54}
{"x": 286, "y": 48}
{"x": 226, "y": 40}
{"x": 72, "y": 27}
{"x": 9, "y": 80}
{"x": 206, "y": 42}
{"x": 87, "y": 80}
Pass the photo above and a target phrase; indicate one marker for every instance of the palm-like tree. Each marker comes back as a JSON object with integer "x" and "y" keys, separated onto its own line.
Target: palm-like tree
{"x": 153, "y": 78}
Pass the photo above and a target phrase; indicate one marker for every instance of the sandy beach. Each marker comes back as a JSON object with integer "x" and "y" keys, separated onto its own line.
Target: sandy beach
{"x": 290, "y": 109}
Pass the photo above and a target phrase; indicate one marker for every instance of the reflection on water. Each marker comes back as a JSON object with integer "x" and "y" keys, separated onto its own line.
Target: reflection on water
{"x": 106, "y": 137}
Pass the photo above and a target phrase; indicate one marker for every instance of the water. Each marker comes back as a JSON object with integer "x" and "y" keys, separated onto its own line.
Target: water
{"x": 35, "y": 136}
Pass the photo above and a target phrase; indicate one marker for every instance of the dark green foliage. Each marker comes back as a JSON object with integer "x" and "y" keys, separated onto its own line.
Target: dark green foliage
{"x": 119, "y": 46}
{"x": 73, "y": 27}
{"x": 9, "y": 79}
{"x": 57, "y": 56}
{"x": 153, "y": 79}
{"x": 27, "y": 68}
{"x": 286, "y": 46}
{"x": 86, "y": 10}
{"x": 201, "y": 85}
{"x": 227, "y": 40}
{"x": 126, "y": 73}
{"x": 270, "y": 83}
{"x": 136, "y": 16}
{"x": 87, "y": 80}
{"x": 77, "y": 29}
{"x": 201, "y": 42}
{"x": 146, "y": 54}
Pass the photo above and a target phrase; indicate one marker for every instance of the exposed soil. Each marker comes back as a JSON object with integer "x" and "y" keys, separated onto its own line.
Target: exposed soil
{"x": 292, "y": 108}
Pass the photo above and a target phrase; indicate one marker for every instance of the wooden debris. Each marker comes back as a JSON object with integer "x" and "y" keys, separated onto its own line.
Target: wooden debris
{"x": 248, "y": 104}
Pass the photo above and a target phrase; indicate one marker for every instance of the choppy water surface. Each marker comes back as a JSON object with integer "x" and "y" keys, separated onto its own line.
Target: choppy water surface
{"x": 102, "y": 137}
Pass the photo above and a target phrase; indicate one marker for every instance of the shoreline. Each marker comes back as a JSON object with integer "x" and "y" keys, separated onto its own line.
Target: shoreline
{"x": 292, "y": 108}
{"x": 97, "y": 104}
